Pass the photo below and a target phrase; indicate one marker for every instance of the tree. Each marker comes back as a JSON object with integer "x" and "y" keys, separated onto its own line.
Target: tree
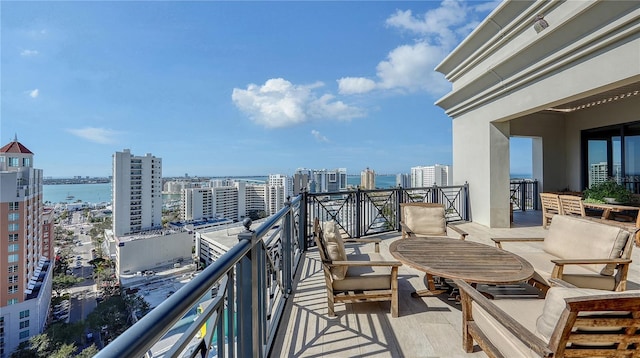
{"x": 63, "y": 282}
{"x": 88, "y": 352}
{"x": 40, "y": 344}
{"x": 65, "y": 350}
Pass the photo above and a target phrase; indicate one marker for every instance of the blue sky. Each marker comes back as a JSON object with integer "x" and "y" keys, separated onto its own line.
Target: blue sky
{"x": 231, "y": 88}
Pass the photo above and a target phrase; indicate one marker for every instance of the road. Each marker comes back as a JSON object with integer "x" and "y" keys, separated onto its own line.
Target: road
{"x": 83, "y": 294}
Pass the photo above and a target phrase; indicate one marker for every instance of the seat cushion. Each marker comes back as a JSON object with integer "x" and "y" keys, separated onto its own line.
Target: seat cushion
{"x": 335, "y": 247}
{"x": 365, "y": 278}
{"x": 576, "y": 238}
{"x": 526, "y": 311}
{"x": 577, "y": 275}
{"x": 554, "y": 305}
{"x": 425, "y": 220}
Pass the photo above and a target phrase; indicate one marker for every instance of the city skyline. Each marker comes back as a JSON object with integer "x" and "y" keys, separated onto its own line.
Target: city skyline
{"x": 231, "y": 88}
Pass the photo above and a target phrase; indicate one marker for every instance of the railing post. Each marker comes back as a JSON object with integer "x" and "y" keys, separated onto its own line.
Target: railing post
{"x": 399, "y": 200}
{"x": 358, "y": 208}
{"x": 286, "y": 249}
{"x": 536, "y": 196}
{"x": 434, "y": 193}
{"x": 523, "y": 195}
{"x": 305, "y": 221}
{"x": 249, "y": 327}
{"x": 466, "y": 201}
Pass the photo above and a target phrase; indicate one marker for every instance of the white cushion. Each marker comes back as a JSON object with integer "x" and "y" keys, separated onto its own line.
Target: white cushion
{"x": 425, "y": 220}
{"x": 335, "y": 247}
{"x": 575, "y": 238}
{"x": 554, "y": 305}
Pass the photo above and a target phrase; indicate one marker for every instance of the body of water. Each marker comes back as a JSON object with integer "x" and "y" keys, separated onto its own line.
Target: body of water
{"x": 101, "y": 192}
{"x": 70, "y": 193}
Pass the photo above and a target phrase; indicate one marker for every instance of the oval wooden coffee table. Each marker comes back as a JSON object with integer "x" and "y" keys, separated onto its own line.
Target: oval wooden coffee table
{"x": 466, "y": 260}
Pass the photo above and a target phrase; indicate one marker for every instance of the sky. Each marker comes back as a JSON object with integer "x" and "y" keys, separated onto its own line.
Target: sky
{"x": 232, "y": 88}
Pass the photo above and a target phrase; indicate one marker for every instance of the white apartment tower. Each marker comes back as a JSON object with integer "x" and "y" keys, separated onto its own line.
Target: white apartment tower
{"x": 368, "y": 179}
{"x": 233, "y": 200}
{"x": 426, "y": 176}
{"x": 26, "y": 249}
{"x": 324, "y": 180}
{"x": 137, "y": 193}
{"x": 403, "y": 180}
{"x": 279, "y": 187}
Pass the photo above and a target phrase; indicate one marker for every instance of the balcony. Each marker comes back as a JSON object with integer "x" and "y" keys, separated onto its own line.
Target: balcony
{"x": 272, "y": 283}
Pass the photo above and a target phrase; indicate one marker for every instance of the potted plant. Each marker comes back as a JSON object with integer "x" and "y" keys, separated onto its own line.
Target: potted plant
{"x": 608, "y": 192}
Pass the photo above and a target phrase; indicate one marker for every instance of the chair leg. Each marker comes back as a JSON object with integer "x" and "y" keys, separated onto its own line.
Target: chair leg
{"x": 330, "y": 304}
{"x": 394, "y": 292}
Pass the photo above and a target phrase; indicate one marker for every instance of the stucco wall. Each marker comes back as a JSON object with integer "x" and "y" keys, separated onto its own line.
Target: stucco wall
{"x": 149, "y": 253}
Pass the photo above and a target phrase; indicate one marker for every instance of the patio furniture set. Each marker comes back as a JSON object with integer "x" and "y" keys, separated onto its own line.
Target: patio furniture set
{"x": 581, "y": 271}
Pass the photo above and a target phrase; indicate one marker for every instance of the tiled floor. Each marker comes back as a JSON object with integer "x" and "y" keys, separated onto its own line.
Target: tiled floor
{"x": 426, "y": 327}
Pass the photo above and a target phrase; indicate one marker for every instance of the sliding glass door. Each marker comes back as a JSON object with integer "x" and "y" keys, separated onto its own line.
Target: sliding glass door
{"x": 612, "y": 153}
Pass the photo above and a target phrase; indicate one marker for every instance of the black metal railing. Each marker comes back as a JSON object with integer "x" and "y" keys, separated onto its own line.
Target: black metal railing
{"x": 368, "y": 212}
{"x": 237, "y": 301}
{"x": 235, "y": 304}
{"x": 524, "y": 195}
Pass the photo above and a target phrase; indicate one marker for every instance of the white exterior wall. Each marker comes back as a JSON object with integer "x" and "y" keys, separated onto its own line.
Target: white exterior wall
{"x": 225, "y": 202}
{"x": 505, "y": 71}
{"x": 137, "y": 192}
{"x": 256, "y": 197}
{"x": 152, "y": 252}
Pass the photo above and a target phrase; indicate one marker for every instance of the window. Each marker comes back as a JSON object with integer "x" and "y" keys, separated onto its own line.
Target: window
{"x": 24, "y": 314}
{"x": 13, "y": 268}
{"x": 24, "y": 324}
{"x": 612, "y": 152}
{"x": 14, "y": 216}
{"x": 14, "y": 247}
{"x": 13, "y": 258}
{"x": 14, "y": 162}
{"x": 26, "y": 162}
{"x": 13, "y": 289}
{"x": 13, "y": 279}
{"x": 14, "y": 227}
{"x": 14, "y": 205}
{"x": 24, "y": 334}
{"x": 12, "y": 301}
{"x": 13, "y": 237}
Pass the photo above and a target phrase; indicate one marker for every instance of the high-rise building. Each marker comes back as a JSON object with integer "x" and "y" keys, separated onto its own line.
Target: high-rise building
{"x": 279, "y": 188}
{"x": 301, "y": 180}
{"x": 324, "y": 180}
{"x": 26, "y": 241}
{"x": 426, "y": 176}
{"x": 137, "y": 193}
{"x": 368, "y": 179}
{"x": 403, "y": 180}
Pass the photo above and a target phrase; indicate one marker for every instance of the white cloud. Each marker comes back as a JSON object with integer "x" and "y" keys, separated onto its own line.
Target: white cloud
{"x": 279, "y": 103}
{"x": 28, "y": 53}
{"x": 319, "y": 137}
{"x": 410, "y": 67}
{"x": 352, "y": 85}
{"x": 96, "y": 135}
{"x": 34, "y": 93}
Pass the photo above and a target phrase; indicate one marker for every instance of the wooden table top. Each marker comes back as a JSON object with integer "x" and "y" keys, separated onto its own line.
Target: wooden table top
{"x": 614, "y": 207}
{"x": 466, "y": 260}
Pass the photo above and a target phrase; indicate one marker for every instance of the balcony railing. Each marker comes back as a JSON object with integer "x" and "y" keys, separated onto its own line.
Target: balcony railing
{"x": 239, "y": 299}
{"x": 524, "y": 195}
